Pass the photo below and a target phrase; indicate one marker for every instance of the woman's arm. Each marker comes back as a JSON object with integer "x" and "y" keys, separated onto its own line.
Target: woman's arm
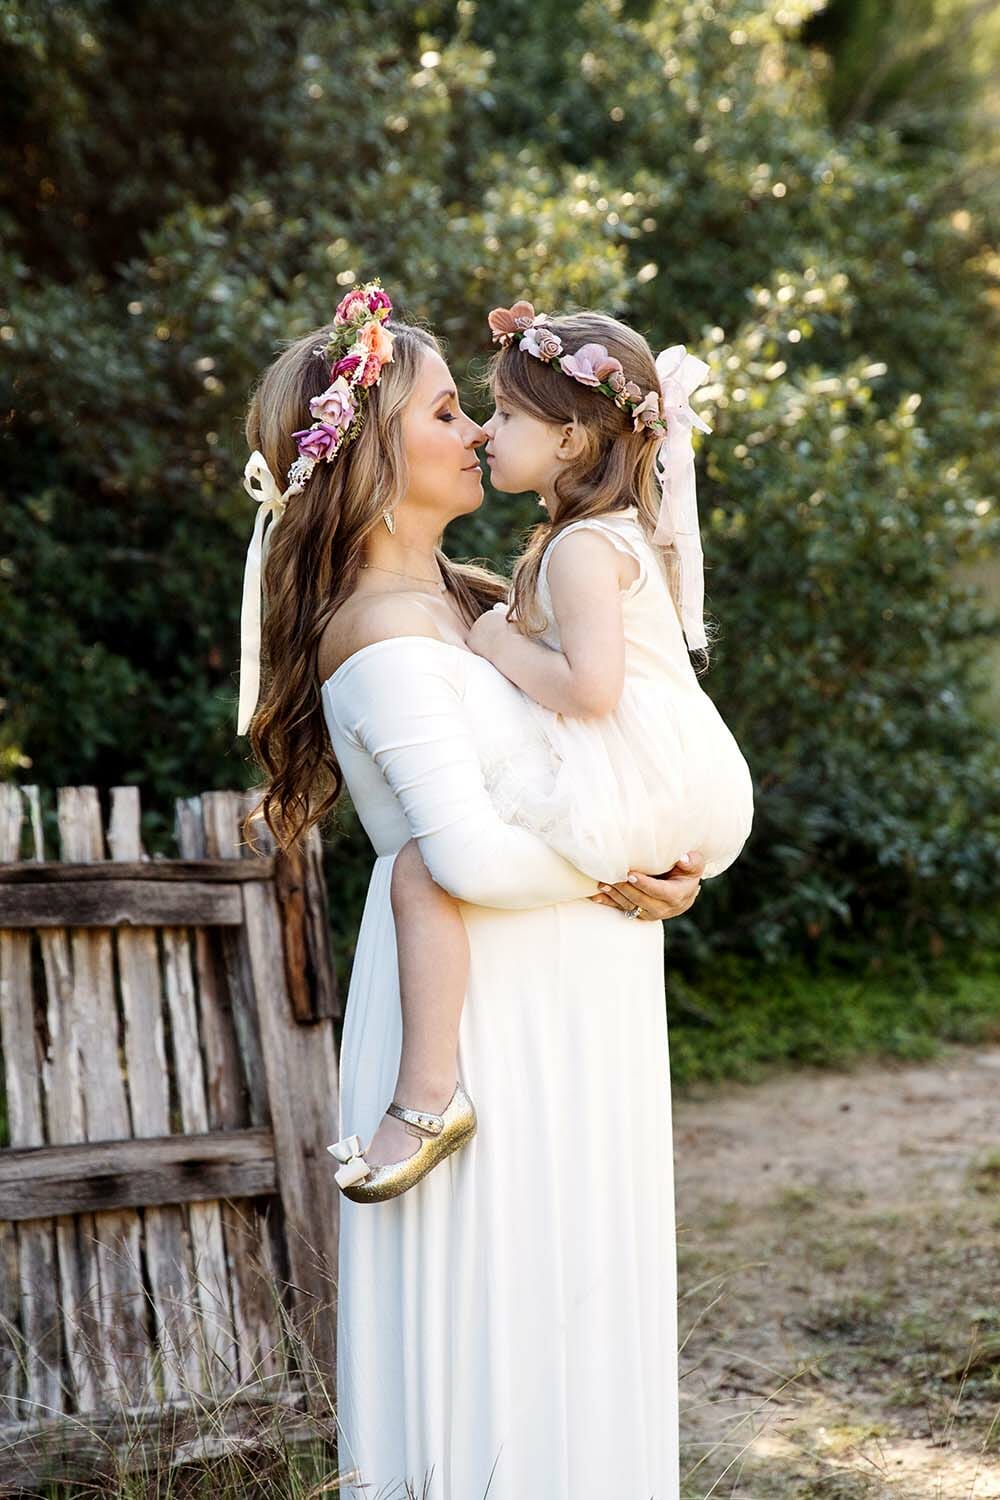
{"x": 585, "y": 678}
{"x": 404, "y": 705}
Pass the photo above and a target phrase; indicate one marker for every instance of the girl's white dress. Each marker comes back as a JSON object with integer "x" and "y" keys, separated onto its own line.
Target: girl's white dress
{"x": 637, "y": 788}
{"x": 506, "y": 1328}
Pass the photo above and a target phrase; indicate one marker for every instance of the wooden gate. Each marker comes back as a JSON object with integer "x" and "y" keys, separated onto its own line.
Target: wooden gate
{"x": 168, "y": 1212}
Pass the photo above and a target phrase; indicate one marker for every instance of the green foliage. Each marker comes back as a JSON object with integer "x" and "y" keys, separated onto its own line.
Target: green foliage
{"x": 734, "y": 1020}
{"x": 187, "y": 187}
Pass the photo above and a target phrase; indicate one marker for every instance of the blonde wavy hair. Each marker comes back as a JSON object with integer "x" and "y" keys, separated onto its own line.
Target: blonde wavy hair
{"x": 313, "y": 562}
{"x": 616, "y": 466}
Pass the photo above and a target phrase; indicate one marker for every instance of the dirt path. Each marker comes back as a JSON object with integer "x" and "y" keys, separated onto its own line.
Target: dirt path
{"x": 839, "y": 1249}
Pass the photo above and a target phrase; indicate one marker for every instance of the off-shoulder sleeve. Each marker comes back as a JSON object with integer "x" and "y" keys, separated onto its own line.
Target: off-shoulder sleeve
{"x": 403, "y": 703}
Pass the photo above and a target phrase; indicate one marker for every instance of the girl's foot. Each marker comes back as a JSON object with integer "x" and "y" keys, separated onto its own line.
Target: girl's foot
{"x": 439, "y": 1134}
{"x": 392, "y": 1141}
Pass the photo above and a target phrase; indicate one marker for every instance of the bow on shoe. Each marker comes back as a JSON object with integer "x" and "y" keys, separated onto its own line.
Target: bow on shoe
{"x": 355, "y": 1168}
{"x": 681, "y": 373}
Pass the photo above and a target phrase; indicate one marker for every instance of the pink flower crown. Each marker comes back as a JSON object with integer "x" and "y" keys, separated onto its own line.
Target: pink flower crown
{"x": 358, "y": 348}
{"x": 591, "y": 365}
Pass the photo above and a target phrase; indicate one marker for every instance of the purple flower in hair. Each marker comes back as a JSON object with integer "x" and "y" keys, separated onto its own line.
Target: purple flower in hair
{"x": 346, "y": 366}
{"x": 318, "y": 441}
{"x": 378, "y": 302}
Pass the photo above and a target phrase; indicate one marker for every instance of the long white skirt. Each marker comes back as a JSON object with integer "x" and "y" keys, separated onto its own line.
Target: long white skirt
{"x": 508, "y": 1326}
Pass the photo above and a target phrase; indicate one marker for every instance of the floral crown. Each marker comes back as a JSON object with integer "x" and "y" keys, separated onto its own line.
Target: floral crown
{"x": 358, "y": 348}
{"x": 591, "y": 365}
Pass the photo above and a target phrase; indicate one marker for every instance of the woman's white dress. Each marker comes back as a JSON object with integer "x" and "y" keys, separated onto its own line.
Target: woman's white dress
{"x": 507, "y": 1327}
{"x": 637, "y": 788}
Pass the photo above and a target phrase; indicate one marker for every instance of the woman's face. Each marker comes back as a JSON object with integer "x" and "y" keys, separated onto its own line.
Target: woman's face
{"x": 445, "y": 477}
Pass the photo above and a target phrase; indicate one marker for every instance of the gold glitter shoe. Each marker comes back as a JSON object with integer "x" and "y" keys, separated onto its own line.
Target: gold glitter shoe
{"x": 439, "y": 1136}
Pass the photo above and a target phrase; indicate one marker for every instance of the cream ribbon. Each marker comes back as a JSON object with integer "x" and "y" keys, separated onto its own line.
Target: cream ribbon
{"x": 355, "y": 1168}
{"x": 259, "y": 483}
{"x": 681, "y": 373}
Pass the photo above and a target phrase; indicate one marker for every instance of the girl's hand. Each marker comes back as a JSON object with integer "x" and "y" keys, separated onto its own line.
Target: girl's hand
{"x": 488, "y": 633}
{"x": 660, "y": 896}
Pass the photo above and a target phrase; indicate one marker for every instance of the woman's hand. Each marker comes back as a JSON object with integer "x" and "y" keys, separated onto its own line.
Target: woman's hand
{"x": 660, "y": 897}
{"x": 489, "y": 631}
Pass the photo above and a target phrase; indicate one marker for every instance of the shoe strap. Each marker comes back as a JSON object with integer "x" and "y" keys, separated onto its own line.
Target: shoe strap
{"x": 417, "y": 1121}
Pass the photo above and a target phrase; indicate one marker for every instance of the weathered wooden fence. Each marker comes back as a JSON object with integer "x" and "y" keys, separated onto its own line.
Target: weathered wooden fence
{"x": 168, "y": 1212}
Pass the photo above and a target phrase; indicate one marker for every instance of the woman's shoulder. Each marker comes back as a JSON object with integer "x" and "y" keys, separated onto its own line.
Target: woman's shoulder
{"x": 365, "y": 620}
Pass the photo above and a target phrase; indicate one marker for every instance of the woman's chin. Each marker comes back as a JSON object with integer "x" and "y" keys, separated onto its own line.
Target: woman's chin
{"x": 472, "y": 501}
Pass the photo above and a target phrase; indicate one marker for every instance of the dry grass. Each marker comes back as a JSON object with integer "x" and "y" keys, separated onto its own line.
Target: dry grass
{"x": 839, "y": 1286}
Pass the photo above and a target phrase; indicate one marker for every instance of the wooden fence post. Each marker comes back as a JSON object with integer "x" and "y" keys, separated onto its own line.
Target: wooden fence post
{"x": 170, "y": 1071}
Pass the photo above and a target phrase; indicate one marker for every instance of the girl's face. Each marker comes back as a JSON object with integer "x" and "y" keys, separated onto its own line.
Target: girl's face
{"x": 444, "y": 474}
{"x": 524, "y": 453}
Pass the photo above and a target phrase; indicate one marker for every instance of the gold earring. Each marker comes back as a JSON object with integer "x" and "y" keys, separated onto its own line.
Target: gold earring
{"x": 390, "y": 521}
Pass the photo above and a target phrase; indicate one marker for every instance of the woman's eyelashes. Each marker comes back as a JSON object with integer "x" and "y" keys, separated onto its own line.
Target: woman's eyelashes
{"x": 447, "y": 416}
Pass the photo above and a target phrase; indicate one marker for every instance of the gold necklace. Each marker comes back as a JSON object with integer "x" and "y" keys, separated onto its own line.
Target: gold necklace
{"x": 442, "y": 588}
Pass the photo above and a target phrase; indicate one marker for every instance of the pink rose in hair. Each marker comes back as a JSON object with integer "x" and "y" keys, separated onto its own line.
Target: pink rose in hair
{"x": 608, "y": 368}
{"x": 351, "y": 308}
{"x": 335, "y": 407}
{"x": 631, "y": 391}
{"x": 372, "y": 370}
{"x": 616, "y": 380}
{"x": 321, "y": 441}
{"x": 647, "y": 413}
{"x": 586, "y": 362}
{"x": 542, "y": 344}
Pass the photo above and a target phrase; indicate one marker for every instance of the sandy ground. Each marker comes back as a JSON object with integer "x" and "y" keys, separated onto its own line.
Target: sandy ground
{"x": 839, "y": 1247}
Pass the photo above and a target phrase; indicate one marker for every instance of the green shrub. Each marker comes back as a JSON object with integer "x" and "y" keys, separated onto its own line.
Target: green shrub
{"x": 185, "y": 191}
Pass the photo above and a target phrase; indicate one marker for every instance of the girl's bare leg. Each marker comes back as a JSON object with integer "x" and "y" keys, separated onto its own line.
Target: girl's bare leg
{"x": 433, "y": 956}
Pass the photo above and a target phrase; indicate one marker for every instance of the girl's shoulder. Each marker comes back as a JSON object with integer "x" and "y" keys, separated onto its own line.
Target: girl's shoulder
{"x": 620, "y": 527}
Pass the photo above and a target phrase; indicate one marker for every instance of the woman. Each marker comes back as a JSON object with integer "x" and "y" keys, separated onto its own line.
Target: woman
{"x": 508, "y": 1326}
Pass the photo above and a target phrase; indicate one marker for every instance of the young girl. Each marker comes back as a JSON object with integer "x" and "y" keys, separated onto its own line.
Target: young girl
{"x": 638, "y": 765}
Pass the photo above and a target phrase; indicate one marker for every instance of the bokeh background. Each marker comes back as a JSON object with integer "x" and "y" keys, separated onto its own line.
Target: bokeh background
{"x": 805, "y": 193}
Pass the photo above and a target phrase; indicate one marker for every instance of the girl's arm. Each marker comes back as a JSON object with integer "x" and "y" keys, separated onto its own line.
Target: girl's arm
{"x": 586, "y": 574}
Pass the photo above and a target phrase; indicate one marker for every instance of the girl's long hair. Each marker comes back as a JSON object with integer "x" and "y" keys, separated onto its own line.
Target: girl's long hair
{"x": 312, "y": 566}
{"x": 616, "y": 467}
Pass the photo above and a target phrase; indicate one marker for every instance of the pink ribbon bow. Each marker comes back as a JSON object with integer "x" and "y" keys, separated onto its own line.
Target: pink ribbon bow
{"x": 681, "y": 373}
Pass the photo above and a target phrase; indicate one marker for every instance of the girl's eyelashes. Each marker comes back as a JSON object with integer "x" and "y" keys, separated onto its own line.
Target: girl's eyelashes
{"x": 447, "y": 416}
